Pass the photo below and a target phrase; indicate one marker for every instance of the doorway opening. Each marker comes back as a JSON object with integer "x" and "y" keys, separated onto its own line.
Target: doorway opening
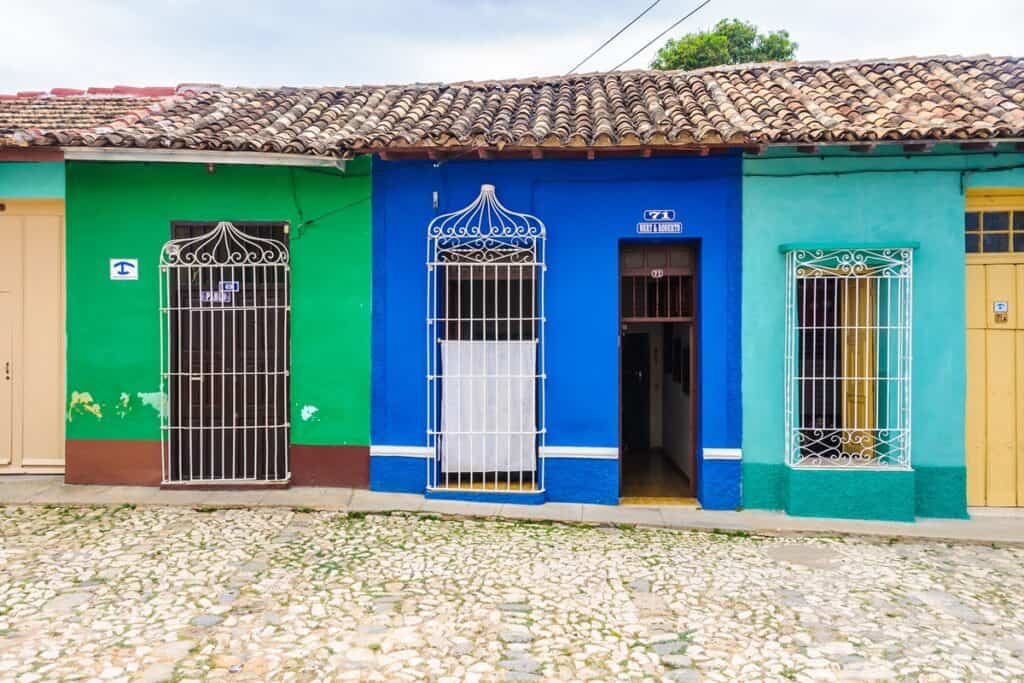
{"x": 658, "y": 393}
{"x": 225, "y": 297}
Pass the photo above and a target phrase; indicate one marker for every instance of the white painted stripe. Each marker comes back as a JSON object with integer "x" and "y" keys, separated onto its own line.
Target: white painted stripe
{"x": 189, "y": 156}
{"x": 579, "y": 452}
{"x": 723, "y": 454}
{"x": 545, "y": 452}
{"x": 402, "y": 451}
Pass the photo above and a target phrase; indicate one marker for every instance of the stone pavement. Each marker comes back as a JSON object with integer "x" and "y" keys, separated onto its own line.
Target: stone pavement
{"x": 991, "y": 525}
{"x": 157, "y": 593}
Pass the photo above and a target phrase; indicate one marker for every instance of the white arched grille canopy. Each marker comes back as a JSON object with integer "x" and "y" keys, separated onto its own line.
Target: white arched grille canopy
{"x": 225, "y": 308}
{"x": 485, "y": 348}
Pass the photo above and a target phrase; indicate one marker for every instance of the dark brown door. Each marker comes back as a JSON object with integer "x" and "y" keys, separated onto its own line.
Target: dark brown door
{"x": 636, "y": 394}
{"x": 229, "y": 366}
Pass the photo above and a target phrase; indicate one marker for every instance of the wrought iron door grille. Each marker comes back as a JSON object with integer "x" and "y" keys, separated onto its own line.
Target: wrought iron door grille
{"x": 485, "y": 348}
{"x": 225, "y": 309}
{"x": 656, "y": 298}
{"x": 848, "y": 357}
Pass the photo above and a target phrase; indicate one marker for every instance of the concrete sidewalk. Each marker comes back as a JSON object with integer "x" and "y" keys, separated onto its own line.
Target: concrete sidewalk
{"x": 987, "y": 525}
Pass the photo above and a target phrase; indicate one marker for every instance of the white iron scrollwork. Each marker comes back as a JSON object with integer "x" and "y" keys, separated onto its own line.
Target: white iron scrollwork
{"x": 225, "y": 245}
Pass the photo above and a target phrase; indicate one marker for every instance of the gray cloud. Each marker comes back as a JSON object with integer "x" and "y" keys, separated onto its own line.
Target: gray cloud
{"x": 78, "y": 43}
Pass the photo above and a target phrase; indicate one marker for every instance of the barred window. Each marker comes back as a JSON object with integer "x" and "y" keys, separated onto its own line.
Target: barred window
{"x": 848, "y": 357}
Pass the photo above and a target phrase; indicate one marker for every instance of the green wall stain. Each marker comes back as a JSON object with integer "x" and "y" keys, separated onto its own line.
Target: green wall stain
{"x": 124, "y": 210}
{"x": 916, "y": 199}
{"x": 32, "y": 180}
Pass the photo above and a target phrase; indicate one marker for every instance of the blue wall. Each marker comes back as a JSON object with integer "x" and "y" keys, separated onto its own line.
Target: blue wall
{"x": 588, "y": 207}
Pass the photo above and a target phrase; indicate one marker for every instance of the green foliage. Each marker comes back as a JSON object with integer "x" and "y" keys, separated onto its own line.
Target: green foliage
{"x": 731, "y": 41}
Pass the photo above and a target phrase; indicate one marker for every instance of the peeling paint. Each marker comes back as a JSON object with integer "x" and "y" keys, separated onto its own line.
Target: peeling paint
{"x": 124, "y": 405}
{"x": 309, "y": 413}
{"x": 82, "y": 402}
{"x": 156, "y": 400}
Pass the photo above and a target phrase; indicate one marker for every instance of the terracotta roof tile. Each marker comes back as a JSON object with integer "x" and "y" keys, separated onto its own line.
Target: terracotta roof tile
{"x": 27, "y": 116}
{"x": 932, "y": 98}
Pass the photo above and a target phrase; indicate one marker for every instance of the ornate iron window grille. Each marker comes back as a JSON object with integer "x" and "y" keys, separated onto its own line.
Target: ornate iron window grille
{"x": 485, "y": 348}
{"x": 848, "y": 357}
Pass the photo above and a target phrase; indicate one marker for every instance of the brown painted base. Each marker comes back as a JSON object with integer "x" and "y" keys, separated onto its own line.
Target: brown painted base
{"x": 137, "y": 463}
{"x": 347, "y": 466}
{"x": 111, "y": 462}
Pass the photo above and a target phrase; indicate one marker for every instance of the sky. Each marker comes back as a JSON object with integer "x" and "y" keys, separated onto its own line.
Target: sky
{"x": 82, "y": 43}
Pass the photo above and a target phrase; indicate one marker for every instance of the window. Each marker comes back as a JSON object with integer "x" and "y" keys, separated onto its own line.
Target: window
{"x": 488, "y": 302}
{"x": 485, "y": 348}
{"x": 848, "y": 335}
{"x": 993, "y": 232}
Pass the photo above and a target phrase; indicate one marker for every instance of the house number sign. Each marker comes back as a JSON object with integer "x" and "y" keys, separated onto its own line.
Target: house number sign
{"x": 659, "y": 222}
{"x": 1001, "y": 309}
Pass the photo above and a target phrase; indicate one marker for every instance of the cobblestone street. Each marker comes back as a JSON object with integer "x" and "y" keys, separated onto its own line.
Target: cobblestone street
{"x": 152, "y": 594}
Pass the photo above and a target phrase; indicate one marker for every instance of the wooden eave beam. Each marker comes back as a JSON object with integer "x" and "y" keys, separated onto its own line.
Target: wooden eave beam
{"x": 31, "y": 154}
{"x": 807, "y": 149}
{"x": 560, "y": 152}
{"x": 983, "y": 146}
{"x": 864, "y": 147}
{"x": 925, "y": 146}
{"x": 755, "y": 150}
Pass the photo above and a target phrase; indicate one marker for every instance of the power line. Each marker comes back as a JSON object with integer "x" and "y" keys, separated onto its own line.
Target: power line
{"x": 617, "y": 34}
{"x": 655, "y": 38}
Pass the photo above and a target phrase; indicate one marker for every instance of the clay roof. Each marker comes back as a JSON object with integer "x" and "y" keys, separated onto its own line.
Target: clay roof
{"x": 28, "y": 114}
{"x": 930, "y": 98}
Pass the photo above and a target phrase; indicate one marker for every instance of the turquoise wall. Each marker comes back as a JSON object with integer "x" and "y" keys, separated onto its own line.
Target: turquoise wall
{"x": 32, "y": 180}
{"x": 885, "y": 198}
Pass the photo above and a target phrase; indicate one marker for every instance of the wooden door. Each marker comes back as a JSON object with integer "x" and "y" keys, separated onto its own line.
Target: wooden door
{"x": 32, "y": 327}
{"x": 228, "y": 357}
{"x": 860, "y": 358}
{"x": 994, "y": 235}
{"x": 995, "y": 385}
{"x": 7, "y": 330}
{"x": 636, "y": 393}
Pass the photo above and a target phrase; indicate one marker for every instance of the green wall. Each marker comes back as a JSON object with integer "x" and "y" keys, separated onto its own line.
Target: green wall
{"x": 32, "y": 180}
{"x": 124, "y": 210}
{"x": 885, "y": 198}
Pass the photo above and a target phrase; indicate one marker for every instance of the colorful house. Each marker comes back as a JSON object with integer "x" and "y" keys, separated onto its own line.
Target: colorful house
{"x": 235, "y": 349}
{"x": 637, "y": 375}
{"x": 744, "y": 285}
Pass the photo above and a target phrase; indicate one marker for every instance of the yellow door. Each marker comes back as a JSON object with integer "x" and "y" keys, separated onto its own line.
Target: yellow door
{"x": 6, "y": 385}
{"x": 995, "y": 348}
{"x": 31, "y": 336}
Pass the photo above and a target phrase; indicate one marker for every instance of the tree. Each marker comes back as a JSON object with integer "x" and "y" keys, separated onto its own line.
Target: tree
{"x": 731, "y": 41}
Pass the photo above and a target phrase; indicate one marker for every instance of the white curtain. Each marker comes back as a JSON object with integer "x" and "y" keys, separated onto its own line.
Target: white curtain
{"x": 488, "y": 408}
